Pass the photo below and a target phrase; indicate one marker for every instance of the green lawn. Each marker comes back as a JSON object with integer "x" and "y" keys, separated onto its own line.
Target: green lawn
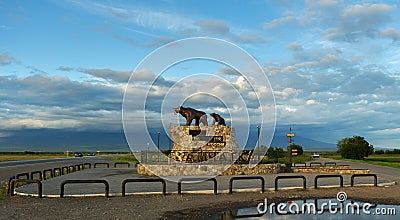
{"x": 125, "y": 158}
{"x": 382, "y": 163}
{"x": 389, "y": 160}
{"x": 12, "y": 157}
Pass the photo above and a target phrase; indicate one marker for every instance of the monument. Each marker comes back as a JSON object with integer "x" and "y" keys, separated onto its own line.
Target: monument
{"x": 203, "y": 150}
{"x": 194, "y": 144}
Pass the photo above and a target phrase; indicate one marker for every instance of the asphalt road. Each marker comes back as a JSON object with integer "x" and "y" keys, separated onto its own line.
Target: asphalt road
{"x": 11, "y": 168}
{"x": 388, "y": 173}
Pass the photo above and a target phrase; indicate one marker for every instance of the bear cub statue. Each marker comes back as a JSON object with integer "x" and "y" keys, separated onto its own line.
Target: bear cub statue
{"x": 218, "y": 119}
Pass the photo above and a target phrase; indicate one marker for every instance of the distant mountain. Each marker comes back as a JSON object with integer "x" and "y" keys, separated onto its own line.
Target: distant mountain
{"x": 57, "y": 140}
{"x": 74, "y": 140}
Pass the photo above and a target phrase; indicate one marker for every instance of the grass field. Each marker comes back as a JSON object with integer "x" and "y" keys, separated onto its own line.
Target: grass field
{"x": 125, "y": 158}
{"x": 389, "y": 160}
{"x": 11, "y": 157}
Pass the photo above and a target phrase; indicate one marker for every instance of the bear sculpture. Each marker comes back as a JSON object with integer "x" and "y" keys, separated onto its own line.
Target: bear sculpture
{"x": 190, "y": 114}
{"x": 218, "y": 119}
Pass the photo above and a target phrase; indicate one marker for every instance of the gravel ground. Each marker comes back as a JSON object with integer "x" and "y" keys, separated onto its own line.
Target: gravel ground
{"x": 187, "y": 206}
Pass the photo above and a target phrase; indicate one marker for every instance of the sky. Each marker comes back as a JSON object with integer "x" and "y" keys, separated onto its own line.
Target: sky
{"x": 333, "y": 66}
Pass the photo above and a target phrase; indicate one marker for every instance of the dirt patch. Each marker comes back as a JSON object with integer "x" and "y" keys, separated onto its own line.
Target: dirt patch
{"x": 187, "y": 206}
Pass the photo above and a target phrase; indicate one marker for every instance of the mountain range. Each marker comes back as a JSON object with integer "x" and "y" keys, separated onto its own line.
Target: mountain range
{"x": 54, "y": 140}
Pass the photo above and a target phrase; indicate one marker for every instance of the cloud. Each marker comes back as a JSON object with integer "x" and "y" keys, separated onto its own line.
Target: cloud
{"x": 48, "y": 101}
{"x": 367, "y": 11}
{"x": 229, "y": 71}
{"x": 391, "y": 33}
{"x": 6, "y": 59}
{"x": 290, "y": 109}
{"x": 321, "y": 3}
{"x": 328, "y": 58}
{"x": 299, "y": 65}
{"x": 177, "y": 23}
{"x": 311, "y": 102}
{"x": 213, "y": 27}
{"x": 360, "y": 21}
{"x": 294, "y": 46}
{"x": 219, "y": 28}
{"x": 108, "y": 74}
{"x": 287, "y": 92}
{"x": 276, "y": 23}
{"x": 122, "y": 76}
{"x": 367, "y": 81}
{"x": 47, "y": 90}
{"x": 248, "y": 37}
{"x": 394, "y": 131}
{"x": 156, "y": 41}
{"x": 138, "y": 15}
{"x": 65, "y": 68}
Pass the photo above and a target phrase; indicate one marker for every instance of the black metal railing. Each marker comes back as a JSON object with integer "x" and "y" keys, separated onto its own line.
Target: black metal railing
{"x": 299, "y": 164}
{"x": 122, "y": 163}
{"x": 246, "y": 178}
{"x": 291, "y": 177}
{"x": 143, "y": 180}
{"x": 315, "y": 164}
{"x": 14, "y": 184}
{"x": 103, "y": 163}
{"x": 65, "y": 182}
{"x": 364, "y": 175}
{"x": 328, "y": 176}
{"x": 197, "y": 179}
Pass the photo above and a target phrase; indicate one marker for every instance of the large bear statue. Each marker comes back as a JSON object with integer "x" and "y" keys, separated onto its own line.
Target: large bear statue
{"x": 190, "y": 114}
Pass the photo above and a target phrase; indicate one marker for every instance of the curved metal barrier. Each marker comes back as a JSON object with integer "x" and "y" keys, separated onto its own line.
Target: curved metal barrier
{"x": 77, "y": 167}
{"x": 246, "y": 178}
{"x": 29, "y": 177}
{"x": 36, "y": 172}
{"x": 327, "y": 176}
{"x": 89, "y": 165}
{"x": 122, "y": 163}
{"x": 315, "y": 163}
{"x": 364, "y": 175}
{"x": 107, "y": 164}
{"x": 48, "y": 171}
{"x": 21, "y": 175}
{"x": 55, "y": 171}
{"x": 71, "y": 168}
{"x": 291, "y": 177}
{"x": 66, "y": 170}
{"x": 234, "y": 215}
{"x": 107, "y": 186}
{"x": 143, "y": 180}
{"x": 303, "y": 164}
{"x": 15, "y": 182}
{"x": 330, "y": 164}
{"x": 196, "y": 179}
{"x": 8, "y": 187}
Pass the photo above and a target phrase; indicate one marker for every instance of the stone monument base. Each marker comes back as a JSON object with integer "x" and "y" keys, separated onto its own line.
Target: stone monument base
{"x": 207, "y": 170}
{"x": 194, "y": 144}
